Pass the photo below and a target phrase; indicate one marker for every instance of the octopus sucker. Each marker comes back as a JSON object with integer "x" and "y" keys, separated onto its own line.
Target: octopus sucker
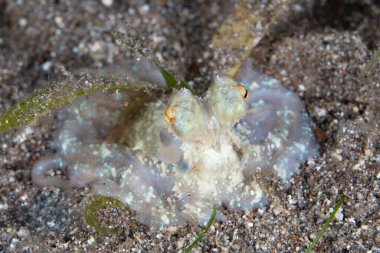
{"x": 171, "y": 158}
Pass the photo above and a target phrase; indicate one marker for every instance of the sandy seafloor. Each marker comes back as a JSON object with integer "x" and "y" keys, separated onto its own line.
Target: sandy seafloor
{"x": 321, "y": 52}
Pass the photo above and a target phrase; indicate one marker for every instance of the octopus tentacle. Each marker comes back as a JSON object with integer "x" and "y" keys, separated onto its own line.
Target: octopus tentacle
{"x": 43, "y": 167}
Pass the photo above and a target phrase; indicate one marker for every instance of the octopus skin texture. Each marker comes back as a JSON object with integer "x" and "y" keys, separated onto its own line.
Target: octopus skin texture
{"x": 171, "y": 158}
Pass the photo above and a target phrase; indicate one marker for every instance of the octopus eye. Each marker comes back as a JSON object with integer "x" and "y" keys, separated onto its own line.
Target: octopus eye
{"x": 244, "y": 92}
{"x": 228, "y": 100}
{"x": 185, "y": 115}
{"x": 169, "y": 115}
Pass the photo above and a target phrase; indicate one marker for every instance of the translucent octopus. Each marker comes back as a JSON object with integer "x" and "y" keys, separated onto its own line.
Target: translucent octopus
{"x": 171, "y": 158}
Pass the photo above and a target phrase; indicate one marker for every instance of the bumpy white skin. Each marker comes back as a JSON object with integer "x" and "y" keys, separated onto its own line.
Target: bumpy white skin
{"x": 172, "y": 173}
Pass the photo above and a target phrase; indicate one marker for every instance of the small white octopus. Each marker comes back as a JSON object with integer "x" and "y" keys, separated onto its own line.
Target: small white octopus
{"x": 171, "y": 159}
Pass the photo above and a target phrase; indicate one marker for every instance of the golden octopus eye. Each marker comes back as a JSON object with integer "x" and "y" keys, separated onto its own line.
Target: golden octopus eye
{"x": 243, "y": 91}
{"x": 169, "y": 116}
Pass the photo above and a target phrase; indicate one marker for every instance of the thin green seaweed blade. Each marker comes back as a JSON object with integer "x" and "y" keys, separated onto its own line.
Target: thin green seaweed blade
{"x": 186, "y": 86}
{"x": 171, "y": 82}
{"x": 132, "y": 45}
{"x": 43, "y": 102}
{"x": 170, "y": 79}
{"x": 243, "y": 29}
{"x": 204, "y": 231}
{"x": 326, "y": 225}
{"x": 373, "y": 66}
{"x": 100, "y": 202}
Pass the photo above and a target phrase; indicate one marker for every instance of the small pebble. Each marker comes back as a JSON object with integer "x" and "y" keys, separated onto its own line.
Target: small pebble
{"x": 107, "y": 3}
{"x": 22, "y": 22}
{"x": 23, "y": 233}
{"x": 46, "y": 66}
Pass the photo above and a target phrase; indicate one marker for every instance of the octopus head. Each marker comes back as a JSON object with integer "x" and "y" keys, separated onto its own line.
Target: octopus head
{"x": 225, "y": 101}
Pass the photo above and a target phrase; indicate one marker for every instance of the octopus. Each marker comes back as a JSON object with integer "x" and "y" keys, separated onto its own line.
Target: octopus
{"x": 171, "y": 157}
